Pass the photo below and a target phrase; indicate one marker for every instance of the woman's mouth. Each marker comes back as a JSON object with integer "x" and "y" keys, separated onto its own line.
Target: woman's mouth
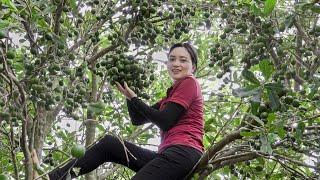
{"x": 175, "y": 71}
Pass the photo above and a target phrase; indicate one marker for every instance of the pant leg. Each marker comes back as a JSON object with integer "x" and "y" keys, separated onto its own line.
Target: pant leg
{"x": 174, "y": 163}
{"x": 108, "y": 149}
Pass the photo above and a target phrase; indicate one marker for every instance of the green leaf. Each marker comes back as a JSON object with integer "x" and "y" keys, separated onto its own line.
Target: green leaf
{"x": 97, "y": 105}
{"x": 276, "y": 126}
{"x": 254, "y": 107}
{"x": 10, "y": 4}
{"x": 301, "y": 127}
{"x": 281, "y": 132}
{"x": 257, "y": 97}
{"x": 62, "y": 134}
{"x": 289, "y": 20}
{"x": 255, "y": 10}
{"x": 271, "y": 117}
{"x": 245, "y": 92}
{"x": 42, "y": 23}
{"x": 274, "y": 87}
{"x": 4, "y": 24}
{"x": 96, "y": 108}
{"x": 256, "y": 118}
{"x": 303, "y": 6}
{"x": 299, "y": 131}
{"x": 315, "y": 9}
{"x": 272, "y": 137}
{"x": 48, "y": 10}
{"x": 195, "y": 176}
{"x": 18, "y": 66}
{"x": 248, "y": 75}
{"x": 100, "y": 127}
{"x": 249, "y": 133}
{"x": 255, "y": 103}
{"x": 73, "y": 4}
{"x": 274, "y": 100}
{"x": 265, "y": 145}
{"x": 269, "y": 6}
{"x": 266, "y": 68}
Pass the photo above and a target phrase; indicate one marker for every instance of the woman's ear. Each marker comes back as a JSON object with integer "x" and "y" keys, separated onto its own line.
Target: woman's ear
{"x": 193, "y": 68}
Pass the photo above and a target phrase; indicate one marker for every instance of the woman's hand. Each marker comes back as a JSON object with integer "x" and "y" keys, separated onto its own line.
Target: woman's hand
{"x": 126, "y": 91}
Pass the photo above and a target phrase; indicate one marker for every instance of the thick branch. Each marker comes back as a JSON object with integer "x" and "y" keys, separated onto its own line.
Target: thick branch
{"x": 101, "y": 53}
{"x": 221, "y": 144}
{"x": 275, "y": 58}
{"x": 307, "y": 39}
{"x": 229, "y": 161}
{"x": 298, "y": 66}
{"x": 302, "y": 33}
{"x": 57, "y": 17}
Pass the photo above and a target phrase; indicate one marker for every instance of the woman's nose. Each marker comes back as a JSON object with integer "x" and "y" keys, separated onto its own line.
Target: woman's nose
{"x": 175, "y": 63}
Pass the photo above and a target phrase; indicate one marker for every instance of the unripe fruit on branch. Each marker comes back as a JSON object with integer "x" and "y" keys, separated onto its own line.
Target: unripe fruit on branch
{"x": 78, "y": 151}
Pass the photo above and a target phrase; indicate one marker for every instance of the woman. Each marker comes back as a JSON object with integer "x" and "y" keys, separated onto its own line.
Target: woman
{"x": 179, "y": 116}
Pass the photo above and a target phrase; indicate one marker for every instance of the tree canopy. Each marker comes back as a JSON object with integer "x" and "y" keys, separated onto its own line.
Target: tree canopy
{"x": 258, "y": 67}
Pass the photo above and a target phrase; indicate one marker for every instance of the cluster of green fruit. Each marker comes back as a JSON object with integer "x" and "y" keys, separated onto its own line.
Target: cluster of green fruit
{"x": 74, "y": 98}
{"x": 265, "y": 108}
{"x": 48, "y": 91}
{"x": 146, "y": 8}
{"x": 181, "y": 26}
{"x": 263, "y": 111}
{"x": 286, "y": 101}
{"x": 284, "y": 71}
{"x": 76, "y": 151}
{"x": 315, "y": 31}
{"x": 267, "y": 27}
{"x": 40, "y": 92}
{"x": 145, "y": 33}
{"x": 122, "y": 68}
{"x": 10, "y": 114}
{"x": 95, "y": 4}
{"x": 240, "y": 27}
{"x": 290, "y": 100}
{"x": 49, "y": 160}
{"x": 221, "y": 55}
{"x": 255, "y": 52}
{"x": 241, "y": 172}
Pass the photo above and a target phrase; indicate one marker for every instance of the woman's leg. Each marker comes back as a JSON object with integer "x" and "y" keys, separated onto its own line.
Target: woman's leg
{"x": 174, "y": 163}
{"x": 108, "y": 149}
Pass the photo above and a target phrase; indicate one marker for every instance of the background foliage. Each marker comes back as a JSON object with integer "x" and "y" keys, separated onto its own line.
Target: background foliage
{"x": 259, "y": 70}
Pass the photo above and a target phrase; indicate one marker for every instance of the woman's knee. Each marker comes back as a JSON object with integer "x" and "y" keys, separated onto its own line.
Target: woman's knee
{"x": 109, "y": 142}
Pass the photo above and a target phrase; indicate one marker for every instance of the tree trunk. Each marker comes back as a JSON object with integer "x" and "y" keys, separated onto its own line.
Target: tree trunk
{"x": 91, "y": 123}
{"x": 90, "y": 138}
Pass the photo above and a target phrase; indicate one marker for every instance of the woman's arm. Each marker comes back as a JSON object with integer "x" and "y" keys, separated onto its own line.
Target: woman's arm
{"x": 136, "y": 117}
{"x": 165, "y": 118}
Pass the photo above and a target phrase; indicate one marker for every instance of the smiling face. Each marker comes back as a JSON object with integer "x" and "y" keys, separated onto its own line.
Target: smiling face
{"x": 179, "y": 63}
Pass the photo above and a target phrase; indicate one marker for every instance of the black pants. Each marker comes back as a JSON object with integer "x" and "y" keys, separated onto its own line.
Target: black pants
{"x": 174, "y": 163}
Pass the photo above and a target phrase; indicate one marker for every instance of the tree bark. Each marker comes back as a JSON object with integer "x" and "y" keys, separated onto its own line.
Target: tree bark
{"x": 299, "y": 55}
{"x": 91, "y": 123}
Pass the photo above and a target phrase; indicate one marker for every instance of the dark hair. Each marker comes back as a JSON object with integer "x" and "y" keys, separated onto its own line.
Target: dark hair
{"x": 191, "y": 50}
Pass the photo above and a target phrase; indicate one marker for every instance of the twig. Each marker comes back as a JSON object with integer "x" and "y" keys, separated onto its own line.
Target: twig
{"x": 295, "y": 161}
